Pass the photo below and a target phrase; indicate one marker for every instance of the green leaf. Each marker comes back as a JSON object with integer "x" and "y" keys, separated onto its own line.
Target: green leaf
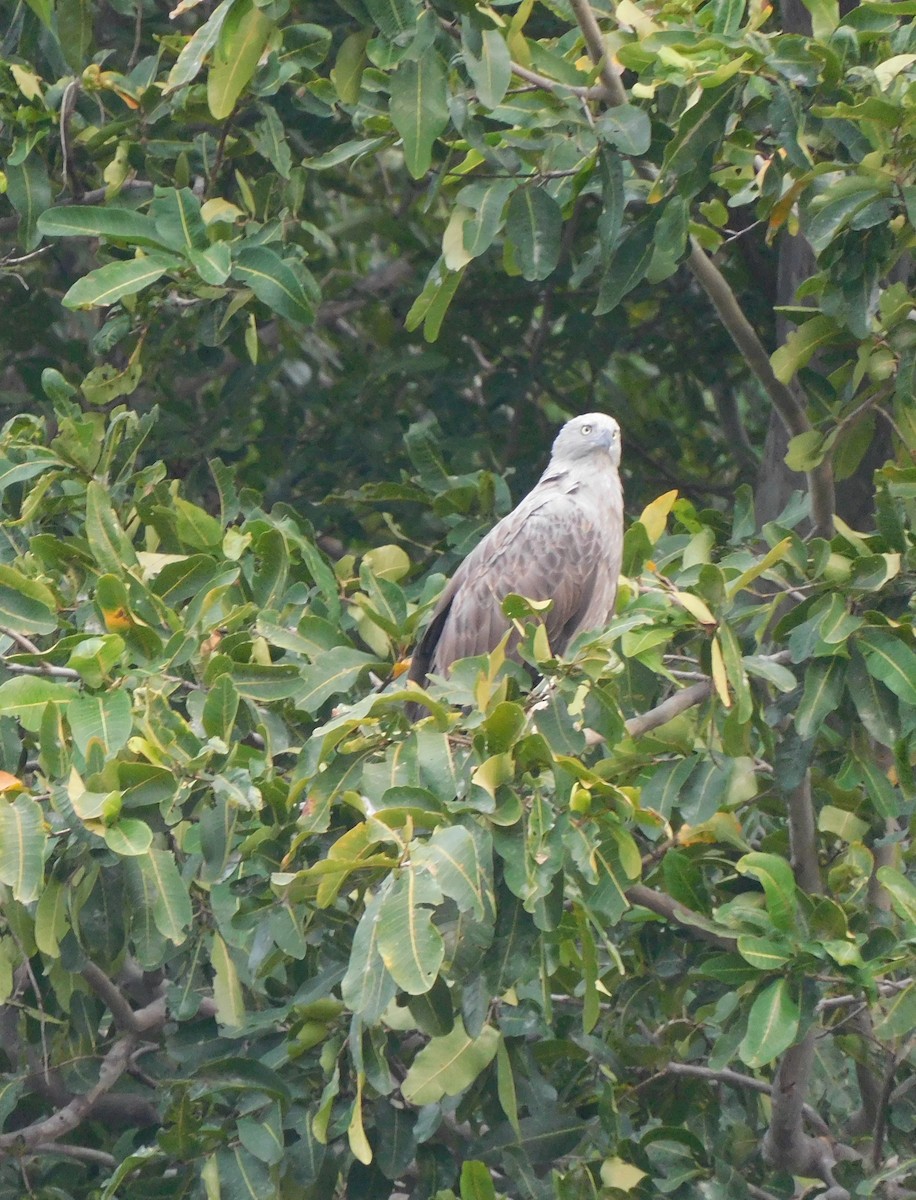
{"x": 109, "y": 283}
{"x": 94, "y": 658}
{"x": 891, "y": 660}
{"x": 43, "y": 9}
{"x": 26, "y": 697}
{"x": 698, "y": 129}
{"x": 277, "y": 282}
{"x": 346, "y": 76}
{"x": 26, "y": 606}
{"x": 841, "y": 823}
{"x": 409, "y": 944}
{"x": 51, "y": 917}
{"x": 241, "y": 42}
{"x": 487, "y": 200}
{"x": 627, "y": 267}
{"x": 801, "y": 345}
{"x": 824, "y": 680}
{"x": 452, "y": 859}
{"x": 778, "y": 882}
{"x": 105, "y": 718}
{"x": 214, "y": 264}
{"x": 22, "y": 844}
{"x": 419, "y": 109}
{"x": 476, "y": 1181}
{"x": 220, "y": 708}
{"x": 241, "y": 1176}
{"x": 227, "y": 990}
{"x": 269, "y": 139}
{"x": 899, "y": 1018}
{"x": 806, "y": 450}
{"x": 29, "y": 192}
{"x": 11, "y": 472}
{"x": 836, "y": 206}
{"x": 772, "y": 1025}
{"x": 394, "y": 18}
{"x": 129, "y": 837}
{"x": 763, "y": 953}
{"x": 94, "y": 221}
{"x": 176, "y": 215}
{"x": 432, "y": 1010}
{"x": 825, "y": 16}
{"x": 108, "y": 542}
{"x": 196, "y": 529}
{"x": 331, "y": 673}
{"x": 171, "y": 905}
{"x": 191, "y": 58}
{"x": 534, "y": 223}
{"x": 902, "y": 893}
{"x": 492, "y": 71}
{"x": 448, "y": 1065}
{"x": 626, "y": 127}
{"x": 367, "y": 988}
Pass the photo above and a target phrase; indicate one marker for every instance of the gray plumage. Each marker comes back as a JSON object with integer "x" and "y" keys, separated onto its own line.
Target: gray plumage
{"x": 562, "y": 543}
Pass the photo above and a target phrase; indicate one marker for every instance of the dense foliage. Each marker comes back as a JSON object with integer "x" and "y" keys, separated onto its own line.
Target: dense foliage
{"x": 646, "y": 929}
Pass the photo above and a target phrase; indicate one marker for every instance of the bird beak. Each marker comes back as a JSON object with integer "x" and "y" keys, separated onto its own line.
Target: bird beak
{"x": 606, "y": 439}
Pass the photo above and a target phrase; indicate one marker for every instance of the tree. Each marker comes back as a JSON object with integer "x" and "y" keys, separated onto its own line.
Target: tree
{"x": 472, "y": 954}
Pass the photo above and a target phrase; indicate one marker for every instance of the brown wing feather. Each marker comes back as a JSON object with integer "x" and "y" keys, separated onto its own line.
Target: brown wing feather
{"x": 548, "y": 548}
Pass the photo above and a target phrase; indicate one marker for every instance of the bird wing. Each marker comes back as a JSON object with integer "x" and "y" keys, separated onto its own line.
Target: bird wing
{"x": 550, "y": 548}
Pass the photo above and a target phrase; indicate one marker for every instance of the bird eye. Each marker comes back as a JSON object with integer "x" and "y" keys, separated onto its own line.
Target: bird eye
{"x": 586, "y": 430}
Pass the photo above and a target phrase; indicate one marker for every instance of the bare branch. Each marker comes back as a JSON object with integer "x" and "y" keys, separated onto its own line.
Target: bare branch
{"x": 791, "y": 413}
{"x": 20, "y": 639}
{"x": 66, "y": 1119}
{"x": 597, "y": 51}
{"x": 671, "y": 910}
{"x": 668, "y": 709}
{"x": 554, "y": 85}
{"x": 77, "y": 1153}
{"x": 803, "y": 838}
{"x": 735, "y": 1079}
{"x": 785, "y": 1144}
{"x": 44, "y": 669}
{"x": 110, "y": 993}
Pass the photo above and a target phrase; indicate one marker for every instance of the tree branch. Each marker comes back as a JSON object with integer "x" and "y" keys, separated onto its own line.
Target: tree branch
{"x": 671, "y": 910}
{"x": 735, "y": 1079}
{"x": 713, "y": 282}
{"x": 66, "y": 1119}
{"x": 597, "y": 50}
{"x": 803, "y": 838}
{"x": 791, "y": 413}
{"x": 785, "y": 1144}
{"x": 77, "y": 1153}
{"x": 555, "y": 85}
{"x": 109, "y": 992}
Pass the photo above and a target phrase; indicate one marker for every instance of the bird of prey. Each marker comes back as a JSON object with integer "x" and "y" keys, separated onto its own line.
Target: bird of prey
{"x": 562, "y": 543}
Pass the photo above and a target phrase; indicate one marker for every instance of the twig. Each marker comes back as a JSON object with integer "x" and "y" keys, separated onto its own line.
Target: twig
{"x": 736, "y": 1079}
{"x": 671, "y": 910}
{"x": 20, "y": 639}
{"x": 668, "y": 709}
{"x": 67, "y": 105}
{"x": 44, "y": 669}
{"x": 78, "y": 1153}
{"x": 552, "y": 85}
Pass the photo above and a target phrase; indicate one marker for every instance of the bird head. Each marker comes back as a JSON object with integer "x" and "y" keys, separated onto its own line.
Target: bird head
{"x": 590, "y": 434}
